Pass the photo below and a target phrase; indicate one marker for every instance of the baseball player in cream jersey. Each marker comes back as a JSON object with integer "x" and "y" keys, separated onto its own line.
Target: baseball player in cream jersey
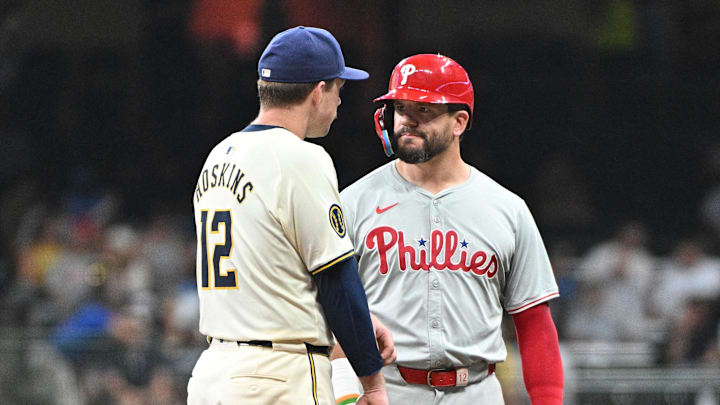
{"x": 444, "y": 250}
{"x": 276, "y": 272}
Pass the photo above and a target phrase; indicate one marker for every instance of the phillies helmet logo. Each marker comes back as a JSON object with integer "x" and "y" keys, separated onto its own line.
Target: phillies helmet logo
{"x": 406, "y": 71}
{"x": 442, "y": 249}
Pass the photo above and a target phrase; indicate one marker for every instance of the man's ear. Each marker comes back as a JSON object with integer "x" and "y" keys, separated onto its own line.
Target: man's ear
{"x": 460, "y": 122}
{"x": 317, "y": 92}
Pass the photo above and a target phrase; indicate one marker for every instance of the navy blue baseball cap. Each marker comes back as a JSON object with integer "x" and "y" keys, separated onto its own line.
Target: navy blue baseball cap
{"x": 305, "y": 55}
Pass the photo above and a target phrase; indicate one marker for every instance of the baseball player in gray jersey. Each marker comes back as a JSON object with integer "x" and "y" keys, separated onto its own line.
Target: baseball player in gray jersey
{"x": 276, "y": 272}
{"x": 444, "y": 250}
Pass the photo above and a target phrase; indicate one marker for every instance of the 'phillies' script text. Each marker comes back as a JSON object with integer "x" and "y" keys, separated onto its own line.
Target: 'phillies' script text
{"x": 442, "y": 249}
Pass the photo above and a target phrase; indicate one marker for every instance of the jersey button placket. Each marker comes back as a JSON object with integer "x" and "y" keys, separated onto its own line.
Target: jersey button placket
{"x": 435, "y": 214}
{"x": 435, "y": 340}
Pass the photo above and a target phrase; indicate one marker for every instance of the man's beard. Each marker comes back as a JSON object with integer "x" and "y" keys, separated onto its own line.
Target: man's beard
{"x": 428, "y": 150}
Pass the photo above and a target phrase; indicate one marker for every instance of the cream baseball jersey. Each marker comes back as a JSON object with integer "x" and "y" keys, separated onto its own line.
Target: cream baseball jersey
{"x": 441, "y": 269}
{"x": 267, "y": 216}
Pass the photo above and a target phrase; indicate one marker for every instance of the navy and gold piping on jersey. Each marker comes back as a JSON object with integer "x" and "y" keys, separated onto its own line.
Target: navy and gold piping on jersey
{"x": 333, "y": 262}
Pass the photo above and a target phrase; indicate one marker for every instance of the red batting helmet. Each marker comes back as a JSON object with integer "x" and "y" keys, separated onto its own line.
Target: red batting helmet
{"x": 427, "y": 78}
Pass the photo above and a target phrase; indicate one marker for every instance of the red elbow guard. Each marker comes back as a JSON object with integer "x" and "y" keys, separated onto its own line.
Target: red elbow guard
{"x": 540, "y": 353}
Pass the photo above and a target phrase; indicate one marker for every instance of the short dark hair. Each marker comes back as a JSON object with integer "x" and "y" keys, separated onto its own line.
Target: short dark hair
{"x": 453, "y": 108}
{"x": 277, "y": 94}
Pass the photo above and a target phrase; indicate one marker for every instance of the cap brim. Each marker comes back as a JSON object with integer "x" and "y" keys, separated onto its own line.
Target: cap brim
{"x": 354, "y": 74}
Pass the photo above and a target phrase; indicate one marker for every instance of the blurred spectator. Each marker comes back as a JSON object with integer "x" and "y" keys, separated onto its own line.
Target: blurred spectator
{"x": 182, "y": 342}
{"x": 614, "y": 279}
{"x": 693, "y": 339}
{"x": 163, "y": 246}
{"x": 16, "y": 203}
{"x": 75, "y": 272}
{"x": 687, "y": 300}
{"x": 119, "y": 302}
{"x": 99, "y": 340}
{"x": 689, "y": 275}
{"x": 162, "y": 388}
{"x": 129, "y": 274}
{"x": 32, "y": 261}
{"x": 564, "y": 263}
{"x": 124, "y": 346}
{"x": 89, "y": 335}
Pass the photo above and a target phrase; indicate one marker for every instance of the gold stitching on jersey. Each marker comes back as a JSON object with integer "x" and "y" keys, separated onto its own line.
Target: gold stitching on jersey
{"x": 339, "y": 259}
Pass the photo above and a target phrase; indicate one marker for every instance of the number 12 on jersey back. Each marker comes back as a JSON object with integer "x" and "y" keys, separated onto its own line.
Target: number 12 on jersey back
{"x": 215, "y": 279}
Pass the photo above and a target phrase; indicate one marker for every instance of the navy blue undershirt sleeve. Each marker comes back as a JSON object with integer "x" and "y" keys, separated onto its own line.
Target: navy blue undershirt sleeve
{"x": 343, "y": 298}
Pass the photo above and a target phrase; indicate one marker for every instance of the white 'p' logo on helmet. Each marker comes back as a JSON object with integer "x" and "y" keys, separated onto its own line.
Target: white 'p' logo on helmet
{"x": 406, "y": 71}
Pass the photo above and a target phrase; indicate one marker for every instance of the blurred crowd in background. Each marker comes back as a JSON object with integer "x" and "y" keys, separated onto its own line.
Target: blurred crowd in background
{"x": 602, "y": 115}
{"x": 105, "y": 312}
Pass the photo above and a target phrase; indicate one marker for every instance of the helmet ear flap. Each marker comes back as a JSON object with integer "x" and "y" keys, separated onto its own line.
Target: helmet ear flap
{"x": 381, "y": 128}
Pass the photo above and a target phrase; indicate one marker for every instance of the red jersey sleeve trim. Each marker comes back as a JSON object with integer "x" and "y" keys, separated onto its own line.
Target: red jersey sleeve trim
{"x": 533, "y": 303}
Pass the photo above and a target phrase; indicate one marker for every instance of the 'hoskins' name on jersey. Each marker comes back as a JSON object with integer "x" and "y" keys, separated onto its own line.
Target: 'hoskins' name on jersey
{"x": 442, "y": 249}
{"x": 226, "y": 175}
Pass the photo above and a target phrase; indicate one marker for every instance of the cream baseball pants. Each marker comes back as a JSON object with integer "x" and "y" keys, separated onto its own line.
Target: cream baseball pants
{"x": 228, "y": 373}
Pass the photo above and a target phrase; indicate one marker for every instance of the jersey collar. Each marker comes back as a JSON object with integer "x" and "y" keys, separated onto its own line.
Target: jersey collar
{"x": 259, "y": 127}
{"x": 410, "y": 186}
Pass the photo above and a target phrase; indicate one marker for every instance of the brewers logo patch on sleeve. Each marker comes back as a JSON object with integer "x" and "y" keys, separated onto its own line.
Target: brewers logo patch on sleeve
{"x": 337, "y": 221}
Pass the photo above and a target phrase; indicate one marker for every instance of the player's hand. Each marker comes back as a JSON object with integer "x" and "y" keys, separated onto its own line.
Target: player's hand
{"x": 374, "y": 391}
{"x": 385, "y": 341}
{"x": 373, "y": 398}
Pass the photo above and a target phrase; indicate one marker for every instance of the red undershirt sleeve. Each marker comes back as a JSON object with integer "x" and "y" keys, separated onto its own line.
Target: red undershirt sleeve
{"x": 540, "y": 354}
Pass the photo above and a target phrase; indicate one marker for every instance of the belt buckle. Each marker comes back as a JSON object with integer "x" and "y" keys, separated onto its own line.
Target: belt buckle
{"x": 429, "y": 376}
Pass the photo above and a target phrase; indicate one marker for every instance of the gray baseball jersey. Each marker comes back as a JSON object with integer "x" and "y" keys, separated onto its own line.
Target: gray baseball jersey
{"x": 268, "y": 216}
{"x": 440, "y": 269}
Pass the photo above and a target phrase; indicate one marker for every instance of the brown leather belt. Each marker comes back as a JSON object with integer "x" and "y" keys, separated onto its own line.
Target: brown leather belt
{"x": 438, "y": 377}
